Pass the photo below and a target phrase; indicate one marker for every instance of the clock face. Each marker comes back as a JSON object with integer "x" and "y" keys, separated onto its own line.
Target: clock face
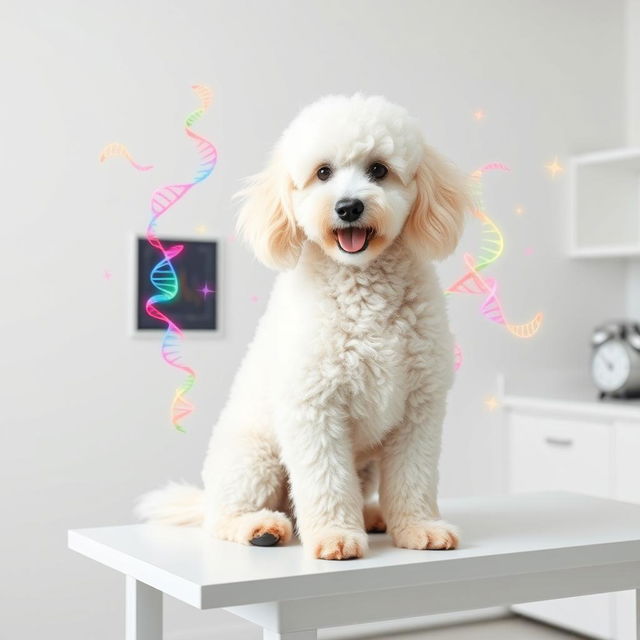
{"x": 611, "y": 366}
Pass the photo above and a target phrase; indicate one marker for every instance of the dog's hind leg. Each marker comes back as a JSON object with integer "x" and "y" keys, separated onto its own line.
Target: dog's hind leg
{"x": 373, "y": 519}
{"x": 244, "y": 485}
{"x": 369, "y": 476}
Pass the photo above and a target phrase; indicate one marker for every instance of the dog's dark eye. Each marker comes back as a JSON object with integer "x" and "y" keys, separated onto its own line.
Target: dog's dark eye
{"x": 377, "y": 171}
{"x": 324, "y": 173}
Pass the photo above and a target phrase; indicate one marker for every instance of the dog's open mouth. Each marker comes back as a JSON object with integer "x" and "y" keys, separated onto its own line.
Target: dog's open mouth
{"x": 353, "y": 239}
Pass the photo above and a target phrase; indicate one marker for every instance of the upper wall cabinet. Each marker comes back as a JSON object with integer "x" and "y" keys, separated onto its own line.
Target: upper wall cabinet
{"x": 605, "y": 204}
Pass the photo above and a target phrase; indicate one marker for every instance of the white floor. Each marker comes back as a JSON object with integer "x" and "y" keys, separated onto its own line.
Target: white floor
{"x": 225, "y": 626}
{"x": 513, "y": 628}
{"x": 508, "y": 628}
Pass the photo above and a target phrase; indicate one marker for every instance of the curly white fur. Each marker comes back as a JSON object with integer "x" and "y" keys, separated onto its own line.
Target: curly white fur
{"x": 343, "y": 389}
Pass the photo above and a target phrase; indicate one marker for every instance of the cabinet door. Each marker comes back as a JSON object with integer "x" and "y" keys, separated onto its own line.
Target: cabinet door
{"x": 550, "y": 454}
{"x": 627, "y": 488}
{"x": 553, "y": 454}
{"x": 627, "y": 467}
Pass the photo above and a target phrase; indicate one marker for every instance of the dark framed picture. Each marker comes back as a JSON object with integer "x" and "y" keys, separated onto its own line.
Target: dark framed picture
{"x": 195, "y": 308}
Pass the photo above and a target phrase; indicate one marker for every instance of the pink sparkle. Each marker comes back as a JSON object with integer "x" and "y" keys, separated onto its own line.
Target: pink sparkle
{"x": 254, "y": 298}
{"x": 205, "y": 291}
{"x": 528, "y": 251}
{"x": 231, "y": 238}
{"x": 107, "y": 274}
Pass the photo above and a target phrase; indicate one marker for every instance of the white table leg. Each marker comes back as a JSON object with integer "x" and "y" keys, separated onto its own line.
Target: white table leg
{"x": 638, "y": 614}
{"x": 143, "y": 611}
{"x": 292, "y": 635}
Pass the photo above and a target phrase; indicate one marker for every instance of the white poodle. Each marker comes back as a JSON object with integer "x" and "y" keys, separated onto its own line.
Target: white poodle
{"x": 342, "y": 392}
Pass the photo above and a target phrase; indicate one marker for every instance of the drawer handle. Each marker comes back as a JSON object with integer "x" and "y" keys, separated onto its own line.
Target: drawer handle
{"x": 559, "y": 442}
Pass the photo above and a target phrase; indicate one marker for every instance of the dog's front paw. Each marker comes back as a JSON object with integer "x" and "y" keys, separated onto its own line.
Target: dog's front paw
{"x": 434, "y": 534}
{"x": 262, "y": 528}
{"x": 337, "y": 544}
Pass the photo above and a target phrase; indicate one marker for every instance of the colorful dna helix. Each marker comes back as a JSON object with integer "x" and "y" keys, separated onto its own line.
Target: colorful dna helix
{"x": 114, "y": 149}
{"x": 491, "y": 248}
{"x": 163, "y": 276}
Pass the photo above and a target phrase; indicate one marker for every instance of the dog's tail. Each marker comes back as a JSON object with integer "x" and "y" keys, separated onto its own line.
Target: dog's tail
{"x": 177, "y": 503}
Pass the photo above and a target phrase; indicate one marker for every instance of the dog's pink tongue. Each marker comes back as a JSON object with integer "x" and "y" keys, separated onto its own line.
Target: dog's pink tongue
{"x": 352, "y": 239}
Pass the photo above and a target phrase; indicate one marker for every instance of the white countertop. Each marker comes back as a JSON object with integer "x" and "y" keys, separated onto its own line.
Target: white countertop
{"x": 567, "y": 393}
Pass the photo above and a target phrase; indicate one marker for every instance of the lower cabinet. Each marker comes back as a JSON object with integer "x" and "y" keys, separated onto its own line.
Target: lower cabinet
{"x": 552, "y": 452}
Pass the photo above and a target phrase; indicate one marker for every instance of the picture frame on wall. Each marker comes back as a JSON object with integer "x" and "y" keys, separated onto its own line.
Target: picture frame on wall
{"x": 196, "y": 308}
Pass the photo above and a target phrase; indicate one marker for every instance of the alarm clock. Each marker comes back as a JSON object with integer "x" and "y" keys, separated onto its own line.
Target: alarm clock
{"x": 615, "y": 362}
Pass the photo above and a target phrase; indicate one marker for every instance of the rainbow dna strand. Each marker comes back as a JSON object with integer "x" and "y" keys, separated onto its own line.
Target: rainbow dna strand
{"x": 115, "y": 149}
{"x": 163, "y": 275}
{"x": 491, "y": 248}
{"x": 473, "y": 283}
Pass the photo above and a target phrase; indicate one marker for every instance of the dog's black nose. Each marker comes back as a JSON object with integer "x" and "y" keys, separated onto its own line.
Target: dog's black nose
{"x": 349, "y": 209}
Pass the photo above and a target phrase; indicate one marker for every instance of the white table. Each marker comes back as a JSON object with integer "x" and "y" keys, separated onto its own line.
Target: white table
{"x": 514, "y": 549}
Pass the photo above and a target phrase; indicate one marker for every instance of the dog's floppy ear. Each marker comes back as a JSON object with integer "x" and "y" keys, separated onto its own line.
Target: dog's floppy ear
{"x": 266, "y": 220}
{"x": 436, "y": 219}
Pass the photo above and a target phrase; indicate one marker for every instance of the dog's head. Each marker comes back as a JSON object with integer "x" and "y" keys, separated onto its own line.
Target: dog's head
{"x": 351, "y": 175}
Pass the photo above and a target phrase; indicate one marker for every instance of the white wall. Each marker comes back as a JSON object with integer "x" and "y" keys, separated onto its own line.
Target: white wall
{"x": 633, "y": 71}
{"x": 633, "y": 132}
{"x": 84, "y": 406}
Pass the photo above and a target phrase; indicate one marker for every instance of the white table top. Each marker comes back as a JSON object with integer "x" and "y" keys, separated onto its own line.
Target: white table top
{"x": 502, "y": 535}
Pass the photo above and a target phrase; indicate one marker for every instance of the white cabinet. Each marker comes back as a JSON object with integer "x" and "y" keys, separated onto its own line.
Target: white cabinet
{"x": 549, "y": 454}
{"x": 605, "y": 204}
{"x": 627, "y": 468}
{"x": 626, "y": 481}
{"x": 566, "y": 451}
